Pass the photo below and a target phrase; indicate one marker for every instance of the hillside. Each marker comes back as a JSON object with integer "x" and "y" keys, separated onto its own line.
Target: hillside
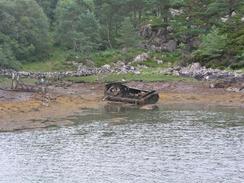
{"x": 47, "y": 35}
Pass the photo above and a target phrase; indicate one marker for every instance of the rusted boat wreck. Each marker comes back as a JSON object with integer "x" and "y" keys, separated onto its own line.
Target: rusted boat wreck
{"x": 118, "y": 92}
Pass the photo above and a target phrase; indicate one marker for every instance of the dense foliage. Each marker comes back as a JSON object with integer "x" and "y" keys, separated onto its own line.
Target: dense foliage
{"x": 23, "y": 32}
{"x": 29, "y": 29}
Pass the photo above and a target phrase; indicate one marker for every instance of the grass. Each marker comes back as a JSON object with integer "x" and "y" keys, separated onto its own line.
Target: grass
{"x": 153, "y": 21}
{"x": 113, "y": 56}
{"x": 56, "y": 62}
{"x": 4, "y": 82}
{"x": 58, "y": 59}
{"x": 147, "y": 75}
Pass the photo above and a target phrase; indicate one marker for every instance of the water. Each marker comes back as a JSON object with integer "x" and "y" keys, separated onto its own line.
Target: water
{"x": 173, "y": 144}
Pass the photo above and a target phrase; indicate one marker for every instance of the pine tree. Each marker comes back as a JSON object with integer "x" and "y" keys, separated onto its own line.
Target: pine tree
{"x": 127, "y": 34}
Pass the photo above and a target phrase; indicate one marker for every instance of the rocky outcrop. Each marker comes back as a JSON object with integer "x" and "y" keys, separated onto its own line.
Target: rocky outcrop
{"x": 156, "y": 39}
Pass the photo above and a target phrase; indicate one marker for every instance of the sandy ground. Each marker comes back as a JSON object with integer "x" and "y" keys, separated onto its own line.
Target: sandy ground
{"x": 19, "y": 111}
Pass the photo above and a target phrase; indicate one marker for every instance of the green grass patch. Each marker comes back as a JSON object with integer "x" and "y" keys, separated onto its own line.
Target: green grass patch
{"x": 4, "y": 82}
{"x": 153, "y": 21}
{"x": 170, "y": 57}
{"x": 56, "y": 62}
{"x": 154, "y": 64}
{"x": 58, "y": 59}
{"x": 113, "y": 56}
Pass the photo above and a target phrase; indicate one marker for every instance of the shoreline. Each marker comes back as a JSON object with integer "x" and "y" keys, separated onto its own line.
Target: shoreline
{"x": 20, "y": 111}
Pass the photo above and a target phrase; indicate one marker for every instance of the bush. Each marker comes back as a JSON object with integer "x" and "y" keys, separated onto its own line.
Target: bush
{"x": 7, "y": 59}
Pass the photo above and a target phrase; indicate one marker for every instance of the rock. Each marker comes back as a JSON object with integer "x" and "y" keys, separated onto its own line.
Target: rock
{"x": 231, "y": 89}
{"x": 196, "y": 71}
{"x": 156, "y": 48}
{"x": 170, "y": 46}
{"x": 242, "y": 90}
{"x": 107, "y": 66}
{"x": 119, "y": 64}
{"x": 125, "y": 50}
{"x": 89, "y": 63}
{"x": 159, "y": 61}
{"x": 137, "y": 72}
{"x": 219, "y": 85}
{"x": 195, "y": 66}
{"x": 146, "y": 31}
{"x": 195, "y": 43}
{"x": 142, "y": 57}
{"x": 212, "y": 85}
{"x": 149, "y": 107}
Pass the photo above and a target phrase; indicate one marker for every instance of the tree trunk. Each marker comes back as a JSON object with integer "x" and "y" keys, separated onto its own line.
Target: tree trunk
{"x": 108, "y": 36}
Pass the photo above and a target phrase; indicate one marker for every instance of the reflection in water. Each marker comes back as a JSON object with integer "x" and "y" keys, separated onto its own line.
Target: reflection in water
{"x": 167, "y": 145}
{"x": 119, "y": 107}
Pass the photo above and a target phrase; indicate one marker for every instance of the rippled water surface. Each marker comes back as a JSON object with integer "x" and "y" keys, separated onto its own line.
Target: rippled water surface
{"x": 168, "y": 145}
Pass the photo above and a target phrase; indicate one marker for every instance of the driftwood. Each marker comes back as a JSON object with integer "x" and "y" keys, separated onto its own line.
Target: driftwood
{"x": 19, "y": 86}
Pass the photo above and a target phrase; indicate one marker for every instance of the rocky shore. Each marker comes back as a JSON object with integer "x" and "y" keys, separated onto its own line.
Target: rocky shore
{"x": 199, "y": 72}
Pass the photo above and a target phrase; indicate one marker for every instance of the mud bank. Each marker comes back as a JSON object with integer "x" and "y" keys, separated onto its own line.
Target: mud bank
{"x": 21, "y": 111}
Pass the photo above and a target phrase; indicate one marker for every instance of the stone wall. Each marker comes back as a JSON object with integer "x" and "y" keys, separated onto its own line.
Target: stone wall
{"x": 81, "y": 71}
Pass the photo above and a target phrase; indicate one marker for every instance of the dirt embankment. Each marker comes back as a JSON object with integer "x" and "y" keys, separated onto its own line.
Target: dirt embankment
{"x": 20, "y": 111}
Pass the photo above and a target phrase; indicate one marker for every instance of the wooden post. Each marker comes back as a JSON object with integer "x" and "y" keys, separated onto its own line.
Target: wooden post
{"x": 13, "y": 81}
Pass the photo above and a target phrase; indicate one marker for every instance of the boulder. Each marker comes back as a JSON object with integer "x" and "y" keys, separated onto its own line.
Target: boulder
{"x": 141, "y": 58}
{"x": 196, "y": 71}
{"x": 170, "y": 46}
{"x": 159, "y": 61}
{"x": 106, "y": 66}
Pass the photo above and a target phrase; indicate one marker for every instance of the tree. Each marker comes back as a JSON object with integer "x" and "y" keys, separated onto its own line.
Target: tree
{"x": 110, "y": 14}
{"x": 221, "y": 8}
{"x": 7, "y": 58}
{"x": 48, "y": 7}
{"x": 213, "y": 44}
{"x": 127, "y": 34}
{"x": 76, "y": 26}
{"x": 24, "y": 27}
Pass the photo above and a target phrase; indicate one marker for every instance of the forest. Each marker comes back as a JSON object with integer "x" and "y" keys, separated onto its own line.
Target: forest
{"x": 184, "y": 31}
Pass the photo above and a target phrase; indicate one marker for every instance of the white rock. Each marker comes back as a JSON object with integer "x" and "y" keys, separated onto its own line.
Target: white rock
{"x": 224, "y": 19}
{"x": 107, "y": 66}
{"x": 142, "y": 57}
{"x": 159, "y": 61}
